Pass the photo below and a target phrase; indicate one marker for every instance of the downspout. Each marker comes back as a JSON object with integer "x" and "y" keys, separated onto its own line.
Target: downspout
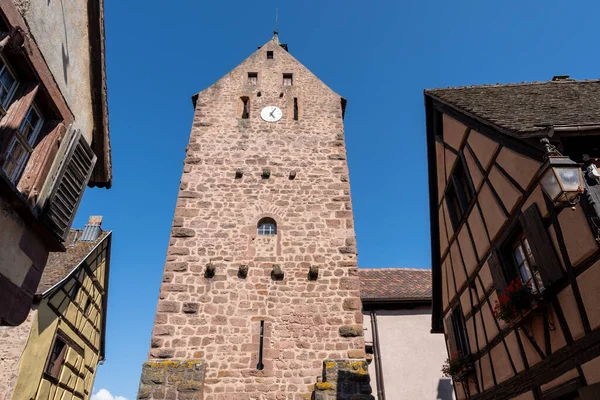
{"x": 377, "y": 357}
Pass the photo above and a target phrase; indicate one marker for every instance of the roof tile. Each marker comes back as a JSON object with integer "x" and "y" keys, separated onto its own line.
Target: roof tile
{"x": 395, "y": 283}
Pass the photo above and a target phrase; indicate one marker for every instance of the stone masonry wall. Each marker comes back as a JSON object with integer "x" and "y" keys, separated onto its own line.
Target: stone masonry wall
{"x": 13, "y": 339}
{"x": 217, "y": 319}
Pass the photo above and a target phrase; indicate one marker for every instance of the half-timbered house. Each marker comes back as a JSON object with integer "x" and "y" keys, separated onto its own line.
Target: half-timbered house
{"x": 55, "y": 352}
{"x": 514, "y": 200}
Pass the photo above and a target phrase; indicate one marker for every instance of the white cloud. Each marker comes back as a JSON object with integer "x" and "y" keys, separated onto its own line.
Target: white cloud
{"x": 104, "y": 394}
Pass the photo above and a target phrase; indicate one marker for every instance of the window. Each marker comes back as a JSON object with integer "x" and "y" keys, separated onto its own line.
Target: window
{"x": 21, "y": 145}
{"x": 56, "y": 357}
{"x": 288, "y": 79}
{"x": 86, "y": 308}
{"x": 459, "y": 193}
{"x": 74, "y": 290}
{"x": 267, "y": 226}
{"x": 460, "y": 334}
{"x": 526, "y": 265}
{"x": 8, "y": 84}
{"x": 269, "y": 55}
{"x": 252, "y": 78}
{"x": 295, "y": 109}
{"x": 246, "y": 107}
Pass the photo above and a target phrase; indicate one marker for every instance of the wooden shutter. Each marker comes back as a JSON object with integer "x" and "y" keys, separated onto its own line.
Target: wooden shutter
{"x": 59, "y": 358}
{"x": 67, "y": 191}
{"x": 23, "y": 98}
{"x": 541, "y": 246}
{"x": 494, "y": 261}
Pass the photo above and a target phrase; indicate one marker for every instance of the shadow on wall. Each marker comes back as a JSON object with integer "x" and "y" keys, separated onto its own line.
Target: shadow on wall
{"x": 445, "y": 389}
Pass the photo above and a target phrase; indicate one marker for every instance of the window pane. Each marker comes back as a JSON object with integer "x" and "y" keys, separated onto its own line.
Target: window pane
{"x": 7, "y": 82}
{"x": 30, "y": 126}
{"x": 15, "y": 160}
{"x": 519, "y": 255}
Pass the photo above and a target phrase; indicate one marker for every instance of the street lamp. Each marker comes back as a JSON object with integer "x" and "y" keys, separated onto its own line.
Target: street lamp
{"x": 560, "y": 177}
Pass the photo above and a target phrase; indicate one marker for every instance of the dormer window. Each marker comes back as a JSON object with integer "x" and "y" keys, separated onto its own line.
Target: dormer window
{"x": 8, "y": 84}
{"x": 21, "y": 145}
{"x": 288, "y": 80}
{"x": 269, "y": 55}
{"x": 252, "y": 78}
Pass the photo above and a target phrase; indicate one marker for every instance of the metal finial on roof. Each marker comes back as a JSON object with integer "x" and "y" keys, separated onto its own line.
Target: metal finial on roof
{"x": 276, "y": 31}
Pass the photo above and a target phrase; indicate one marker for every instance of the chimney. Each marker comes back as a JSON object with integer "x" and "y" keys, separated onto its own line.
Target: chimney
{"x": 92, "y": 230}
{"x": 557, "y": 78}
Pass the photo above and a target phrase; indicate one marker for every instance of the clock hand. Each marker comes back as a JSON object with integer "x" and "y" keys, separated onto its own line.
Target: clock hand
{"x": 272, "y": 111}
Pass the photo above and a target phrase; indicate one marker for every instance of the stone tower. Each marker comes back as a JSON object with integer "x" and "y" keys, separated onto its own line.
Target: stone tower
{"x": 260, "y": 294}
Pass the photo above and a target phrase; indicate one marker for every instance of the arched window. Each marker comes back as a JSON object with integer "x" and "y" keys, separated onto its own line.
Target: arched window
{"x": 267, "y": 226}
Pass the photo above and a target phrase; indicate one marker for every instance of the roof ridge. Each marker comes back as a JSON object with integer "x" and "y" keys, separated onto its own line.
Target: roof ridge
{"x": 495, "y": 85}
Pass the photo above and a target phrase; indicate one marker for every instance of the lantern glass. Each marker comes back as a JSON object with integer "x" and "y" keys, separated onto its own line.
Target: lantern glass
{"x": 570, "y": 178}
{"x": 550, "y": 184}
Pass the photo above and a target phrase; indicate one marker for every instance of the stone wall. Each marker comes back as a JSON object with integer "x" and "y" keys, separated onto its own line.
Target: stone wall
{"x": 344, "y": 380}
{"x": 173, "y": 380}
{"x": 217, "y": 319}
{"x": 13, "y": 339}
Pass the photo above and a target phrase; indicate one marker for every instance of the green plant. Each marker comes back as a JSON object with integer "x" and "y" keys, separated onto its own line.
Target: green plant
{"x": 455, "y": 365}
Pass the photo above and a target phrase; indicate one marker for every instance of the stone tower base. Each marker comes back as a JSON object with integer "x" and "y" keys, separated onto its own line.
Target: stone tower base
{"x": 173, "y": 380}
{"x": 184, "y": 380}
{"x": 344, "y": 380}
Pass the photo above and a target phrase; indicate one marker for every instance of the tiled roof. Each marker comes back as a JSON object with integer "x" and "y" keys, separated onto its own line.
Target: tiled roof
{"x": 522, "y": 109}
{"x": 61, "y": 264}
{"x": 395, "y": 283}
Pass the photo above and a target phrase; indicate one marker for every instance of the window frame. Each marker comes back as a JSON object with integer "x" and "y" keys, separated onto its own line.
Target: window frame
{"x": 27, "y": 144}
{"x": 252, "y": 78}
{"x": 288, "y": 77}
{"x": 263, "y": 224}
{"x": 52, "y": 367}
{"x": 459, "y": 329}
{"x": 270, "y": 55}
{"x": 460, "y": 191}
{"x": 13, "y": 90}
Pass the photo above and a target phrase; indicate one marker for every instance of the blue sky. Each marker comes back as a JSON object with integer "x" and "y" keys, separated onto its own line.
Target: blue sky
{"x": 380, "y": 55}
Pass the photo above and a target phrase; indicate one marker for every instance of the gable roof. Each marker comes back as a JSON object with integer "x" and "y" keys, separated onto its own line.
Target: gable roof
{"x": 527, "y": 109}
{"x": 394, "y": 284}
{"x": 60, "y": 265}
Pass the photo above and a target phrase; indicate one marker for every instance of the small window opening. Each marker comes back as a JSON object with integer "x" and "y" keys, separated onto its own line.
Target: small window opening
{"x": 288, "y": 79}
{"x": 74, "y": 290}
{"x": 269, "y": 55}
{"x": 246, "y": 110}
{"x": 252, "y": 78}
{"x": 527, "y": 268}
{"x": 56, "y": 357}
{"x": 459, "y": 193}
{"x": 86, "y": 308}
{"x": 460, "y": 332}
{"x": 267, "y": 226}
{"x": 295, "y": 109}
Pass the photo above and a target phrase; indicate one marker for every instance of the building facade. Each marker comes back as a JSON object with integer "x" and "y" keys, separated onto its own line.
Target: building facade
{"x": 55, "y": 352}
{"x": 404, "y": 358}
{"x": 260, "y": 293}
{"x": 53, "y": 135}
{"x": 516, "y": 271}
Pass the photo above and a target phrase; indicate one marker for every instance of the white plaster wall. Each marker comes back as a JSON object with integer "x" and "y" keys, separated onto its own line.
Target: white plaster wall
{"x": 411, "y": 356}
{"x": 60, "y": 28}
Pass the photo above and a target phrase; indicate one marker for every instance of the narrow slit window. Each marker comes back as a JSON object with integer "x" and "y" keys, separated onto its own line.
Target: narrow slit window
{"x": 252, "y": 78}
{"x": 269, "y": 55}
{"x": 295, "y": 109}
{"x": 288, "y": 79}
{"x": 246, "y": 107}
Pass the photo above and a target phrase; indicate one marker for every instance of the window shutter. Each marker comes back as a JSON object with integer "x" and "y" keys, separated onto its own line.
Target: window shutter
{"x": 67, "y": 191}
{"x": 541, "y": 246}
{"x": 452, "y": 347}
{"x": 496, "y": 270}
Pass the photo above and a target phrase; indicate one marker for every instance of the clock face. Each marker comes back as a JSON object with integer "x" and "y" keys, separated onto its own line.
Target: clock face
{"x": 271, "y": 114}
